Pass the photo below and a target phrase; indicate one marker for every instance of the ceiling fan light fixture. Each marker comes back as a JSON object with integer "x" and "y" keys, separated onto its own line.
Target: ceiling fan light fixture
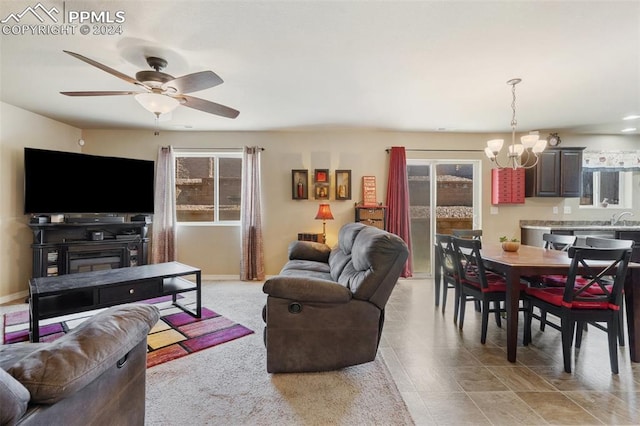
{"x": 156, "y": 103}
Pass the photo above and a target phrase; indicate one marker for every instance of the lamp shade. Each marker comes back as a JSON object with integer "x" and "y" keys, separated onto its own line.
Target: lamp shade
{"x": 528, "y": 141}
{"x": 495, "y": 145}
{"x": 490, "y": 154}
{"x": 157, "y": 103}
{"x": 539, "y": 146}
{"x": 324, "y": 212}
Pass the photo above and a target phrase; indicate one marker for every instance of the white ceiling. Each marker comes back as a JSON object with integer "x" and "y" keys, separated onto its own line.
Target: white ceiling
{"x": 413, "y": 66}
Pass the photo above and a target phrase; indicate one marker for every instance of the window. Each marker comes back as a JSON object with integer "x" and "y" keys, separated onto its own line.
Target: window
{"x": 208, "y": 186}
{"x": 606, "y": 188}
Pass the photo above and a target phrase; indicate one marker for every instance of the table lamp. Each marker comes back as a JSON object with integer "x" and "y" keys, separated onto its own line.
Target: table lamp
{"x": 324, "y": 213}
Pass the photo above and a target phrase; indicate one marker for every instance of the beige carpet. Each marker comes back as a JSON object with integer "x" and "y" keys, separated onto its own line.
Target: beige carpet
{"x": 229, "y": 384}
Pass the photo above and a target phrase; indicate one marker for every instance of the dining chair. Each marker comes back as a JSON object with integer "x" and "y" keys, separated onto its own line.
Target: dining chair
{"x": 563, "y": 242}
{"x": 577, "y": 304}
{"x": 467, "y": 233}
{"x": 551, "y": 242}
{"x": 555, "y": 242}
{"x": 606, "y": 243}
{"x": 448, "y": 271}
{"x": 475, "y": 234}
{"x": 558, "y": 241}
{"x": 478, "y": 284}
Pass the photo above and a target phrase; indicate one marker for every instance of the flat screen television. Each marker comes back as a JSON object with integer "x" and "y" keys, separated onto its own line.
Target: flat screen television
{"x": 67, "y": 182}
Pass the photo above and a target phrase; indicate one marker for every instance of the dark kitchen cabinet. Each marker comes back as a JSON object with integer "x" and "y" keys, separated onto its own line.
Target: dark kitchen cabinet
{"x": 557, "y": 174}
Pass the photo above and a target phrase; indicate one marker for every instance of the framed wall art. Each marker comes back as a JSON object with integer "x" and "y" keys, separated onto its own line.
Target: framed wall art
{"x": 300, "y": 184}
{"x": 343, "y": 184}
{"x": 321, "y": 181}
{"x": 321, "y": 175}
{"x": 369, "y": 191}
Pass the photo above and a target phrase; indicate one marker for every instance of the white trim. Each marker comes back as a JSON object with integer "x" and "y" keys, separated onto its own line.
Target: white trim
{"x": 223, "y": 223}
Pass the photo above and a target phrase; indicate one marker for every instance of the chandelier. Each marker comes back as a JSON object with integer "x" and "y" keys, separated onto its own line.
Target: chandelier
{"x": 519, "y": 155}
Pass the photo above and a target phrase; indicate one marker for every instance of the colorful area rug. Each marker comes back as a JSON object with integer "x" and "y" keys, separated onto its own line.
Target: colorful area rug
{"x": 176, "y": 334}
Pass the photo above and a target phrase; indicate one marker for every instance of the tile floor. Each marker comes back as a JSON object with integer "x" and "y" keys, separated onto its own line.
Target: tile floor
{"x": 447, "y": 377}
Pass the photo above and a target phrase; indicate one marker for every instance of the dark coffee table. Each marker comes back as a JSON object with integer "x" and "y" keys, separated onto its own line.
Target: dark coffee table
{"x": 67, "y": 294}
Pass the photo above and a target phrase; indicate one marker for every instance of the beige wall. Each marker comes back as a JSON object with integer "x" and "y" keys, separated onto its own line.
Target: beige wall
{"x": 215, "y": 249}
{"x": 19, "y": 129}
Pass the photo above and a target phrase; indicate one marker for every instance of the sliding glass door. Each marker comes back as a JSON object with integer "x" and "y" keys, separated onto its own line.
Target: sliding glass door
{"x": 443, "y": 195}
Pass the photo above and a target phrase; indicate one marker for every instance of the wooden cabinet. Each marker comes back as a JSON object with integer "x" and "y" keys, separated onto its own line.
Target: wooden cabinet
{"x": 373, "y": 216}
{"x": 507, "y": 186}
{"x": 635, "y": 237}
{"x": 557, "y": 174}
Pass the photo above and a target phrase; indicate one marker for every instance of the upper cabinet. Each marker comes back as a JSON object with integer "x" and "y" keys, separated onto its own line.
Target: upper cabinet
{"x": 557, "y": 174}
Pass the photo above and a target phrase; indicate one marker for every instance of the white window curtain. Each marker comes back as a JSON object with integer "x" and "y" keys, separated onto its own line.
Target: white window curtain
{"x": 163, "y": 235}
{"x": 252, "y": 256}
{"x": 612, "y": 161}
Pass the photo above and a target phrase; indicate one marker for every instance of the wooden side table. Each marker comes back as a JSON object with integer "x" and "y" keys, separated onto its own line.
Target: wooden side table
{"x": 373, "y": 216}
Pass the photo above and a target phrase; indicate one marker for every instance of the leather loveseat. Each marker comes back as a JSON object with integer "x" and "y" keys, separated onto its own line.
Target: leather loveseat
{"x": 325, "y": 310}
{"x": 93, "y": 375}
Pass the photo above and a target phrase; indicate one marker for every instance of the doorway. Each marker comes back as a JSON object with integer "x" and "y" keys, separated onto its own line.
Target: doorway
{"x": 443, "y": 195}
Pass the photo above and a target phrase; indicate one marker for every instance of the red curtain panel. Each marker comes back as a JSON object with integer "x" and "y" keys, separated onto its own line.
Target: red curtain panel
{"x": 398, "y": 221}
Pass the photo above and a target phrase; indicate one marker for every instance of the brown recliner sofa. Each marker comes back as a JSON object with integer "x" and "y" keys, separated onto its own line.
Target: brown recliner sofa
{"x": 93, "y": 375}
{"x": 325, "y": 310}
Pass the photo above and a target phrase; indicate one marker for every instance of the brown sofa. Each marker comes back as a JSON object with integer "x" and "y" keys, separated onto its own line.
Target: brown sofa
{"x": 93, "y": 375}
{"x": 325, "y": 310}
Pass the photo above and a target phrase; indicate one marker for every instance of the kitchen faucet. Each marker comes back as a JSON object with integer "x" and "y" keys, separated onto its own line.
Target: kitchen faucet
{"x": 616, "y": 217}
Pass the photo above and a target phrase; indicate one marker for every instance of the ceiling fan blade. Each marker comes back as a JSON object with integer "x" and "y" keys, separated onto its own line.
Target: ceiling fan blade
{"x": 194, "y": 82}
{"x": 104, "y": 68}
{"x": 208, "y": 106}
{"x": 99, "y": 93}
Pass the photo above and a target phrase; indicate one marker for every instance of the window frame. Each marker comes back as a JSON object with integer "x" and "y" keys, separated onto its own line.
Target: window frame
{"x": 216, "y": 154}
{"x": 625, "y": 191}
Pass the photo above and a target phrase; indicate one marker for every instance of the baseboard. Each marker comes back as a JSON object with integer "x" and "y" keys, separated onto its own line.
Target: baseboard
{"x": 225, "y": 277}
{"x": 221, "y": 277}
{"x": 15, "y": 296}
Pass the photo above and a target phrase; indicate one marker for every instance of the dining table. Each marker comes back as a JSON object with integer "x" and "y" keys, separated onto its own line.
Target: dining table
{"x": 533, "y": 260}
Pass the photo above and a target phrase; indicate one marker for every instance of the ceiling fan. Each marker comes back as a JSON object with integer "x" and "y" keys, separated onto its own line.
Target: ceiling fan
{"x": 162, "y": 92}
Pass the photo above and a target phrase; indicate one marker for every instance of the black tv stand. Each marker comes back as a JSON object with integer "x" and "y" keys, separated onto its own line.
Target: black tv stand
{"x": 67, "y": 248}
{"x": 96, "y": 219}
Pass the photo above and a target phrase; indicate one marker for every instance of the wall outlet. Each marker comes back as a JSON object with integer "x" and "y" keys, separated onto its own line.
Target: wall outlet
{"x": 555, "y": 210}
{"x": 567, "y": 209}
{"x": 494, "y": 210}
